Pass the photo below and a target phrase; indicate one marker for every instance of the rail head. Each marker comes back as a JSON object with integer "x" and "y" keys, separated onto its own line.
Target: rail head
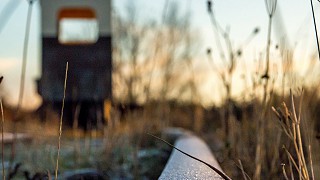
{"x": 181, "y": 166}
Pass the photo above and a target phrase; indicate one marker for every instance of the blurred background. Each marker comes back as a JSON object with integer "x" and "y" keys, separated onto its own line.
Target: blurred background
{"x": 215, "y": 68}
{"x": 292, "y": 30}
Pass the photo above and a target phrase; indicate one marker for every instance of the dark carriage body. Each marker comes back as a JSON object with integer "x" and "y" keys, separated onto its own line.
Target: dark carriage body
{"x": 89, "y": 74}
{"x": 89, "y": 83}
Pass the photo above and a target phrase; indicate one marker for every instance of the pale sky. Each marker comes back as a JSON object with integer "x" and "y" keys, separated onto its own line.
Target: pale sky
{"x": 241, "y": 15}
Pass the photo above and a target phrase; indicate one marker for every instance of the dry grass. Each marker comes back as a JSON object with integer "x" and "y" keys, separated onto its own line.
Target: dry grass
{"x": 315, "y": 28}
{"x": 289, "y": 147}
{"x": 121, "y": 143}
{"x": 255, "y": 137}
{"x": 290, "y": 122}
{"x": 2, "y": 142}
{"x": 114, "y": 152}
{"x": 61, "y": 118}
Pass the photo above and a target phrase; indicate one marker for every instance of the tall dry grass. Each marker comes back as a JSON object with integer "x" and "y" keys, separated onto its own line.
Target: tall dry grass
{"x": 257, "y": 137}
{"x": 315, "y": 28}
{"x": 61, "y": 118}
{"x": 271, "y": 6}
{"x": 290, "y": 121}
{"x": 2, "y": 132}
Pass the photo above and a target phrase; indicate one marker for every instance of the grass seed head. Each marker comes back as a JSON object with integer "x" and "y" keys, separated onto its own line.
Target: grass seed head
{"x": 209, "y": 5}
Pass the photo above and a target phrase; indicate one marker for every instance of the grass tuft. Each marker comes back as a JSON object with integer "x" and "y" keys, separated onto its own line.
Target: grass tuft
{"x": 290, "y": 121}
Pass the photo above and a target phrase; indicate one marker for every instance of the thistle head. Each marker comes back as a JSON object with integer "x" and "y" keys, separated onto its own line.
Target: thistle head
{"x": 208, "y": 51}
{"x": 256, "y": 30}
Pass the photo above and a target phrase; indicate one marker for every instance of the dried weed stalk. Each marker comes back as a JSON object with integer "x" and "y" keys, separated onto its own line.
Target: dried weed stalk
{"x": 25, "y": 55}
{"x": 271, "y": 6}
{"x": 229, "y": 59}
{"x": 315, "y": 27}
{"x": 290, "y": 121}
{"x": 22, "y": 76}
{"x": 2, "y": 143}
{"x": 61, "y": 117}
{"x": 244, "y": 174}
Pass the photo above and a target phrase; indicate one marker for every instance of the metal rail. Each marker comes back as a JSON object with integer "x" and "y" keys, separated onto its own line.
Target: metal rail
{"x": 181, "y": 166}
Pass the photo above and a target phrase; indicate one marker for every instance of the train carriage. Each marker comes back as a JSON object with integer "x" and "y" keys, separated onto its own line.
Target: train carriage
{"x": 77, "y": 32}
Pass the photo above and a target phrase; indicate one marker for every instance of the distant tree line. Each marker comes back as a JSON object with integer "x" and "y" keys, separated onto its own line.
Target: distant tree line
{"x": 154, "y": 60}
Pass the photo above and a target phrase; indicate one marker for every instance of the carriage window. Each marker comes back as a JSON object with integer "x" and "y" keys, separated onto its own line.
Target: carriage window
{"x": 77, "y": 26}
